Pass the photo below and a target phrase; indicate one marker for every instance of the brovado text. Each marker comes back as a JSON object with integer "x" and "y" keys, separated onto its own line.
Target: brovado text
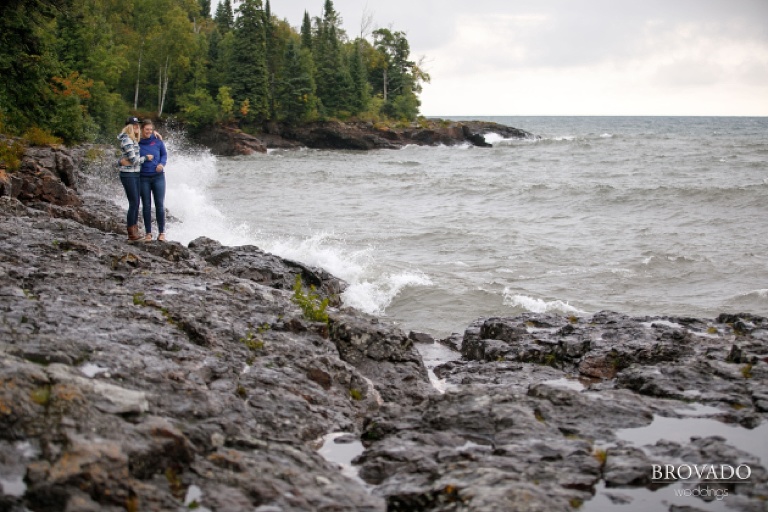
{"x": 707, "y": 472}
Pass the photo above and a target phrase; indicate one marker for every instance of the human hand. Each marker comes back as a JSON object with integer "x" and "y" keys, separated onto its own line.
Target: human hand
{"x": 159, "y": 168}
{"x": 157, "y": 134}
{"x": 150, "y": 157}
{"x": 125, "y": 162}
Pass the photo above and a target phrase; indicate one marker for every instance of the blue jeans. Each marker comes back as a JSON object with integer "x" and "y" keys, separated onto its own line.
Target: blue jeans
{"x": 153, "y": 186}
{"x": 130, "y": 181}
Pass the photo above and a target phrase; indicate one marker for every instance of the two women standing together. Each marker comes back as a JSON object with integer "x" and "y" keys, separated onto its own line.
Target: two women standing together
{"x": 142, "y": 174}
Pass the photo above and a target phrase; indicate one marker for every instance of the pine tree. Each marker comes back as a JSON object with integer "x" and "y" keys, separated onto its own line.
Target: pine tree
{"x": 306, "y": 32}
{"x": 249, "y": 75}
{"x": 225, "y": 17}
{"x": 334, "y": 84}
{"x": 361, "y": 91}
{"x": 205, "y": 8}
{"x": 297, "y": 90}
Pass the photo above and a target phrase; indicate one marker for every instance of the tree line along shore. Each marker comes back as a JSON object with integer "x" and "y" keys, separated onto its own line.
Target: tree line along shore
{"x": 74, "y": 69}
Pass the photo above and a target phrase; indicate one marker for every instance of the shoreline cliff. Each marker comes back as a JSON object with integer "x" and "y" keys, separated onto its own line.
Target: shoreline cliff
{"x": 358, "y": 136}
{"x": 156, "y": 376}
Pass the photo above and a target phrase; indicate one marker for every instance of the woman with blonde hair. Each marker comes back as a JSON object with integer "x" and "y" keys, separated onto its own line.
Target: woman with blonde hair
{"x": 130, "y": 171}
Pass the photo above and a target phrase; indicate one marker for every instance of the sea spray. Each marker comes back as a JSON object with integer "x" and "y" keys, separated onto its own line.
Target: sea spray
{"x": 192, "y": 172}
{"x": 189, "y": 174}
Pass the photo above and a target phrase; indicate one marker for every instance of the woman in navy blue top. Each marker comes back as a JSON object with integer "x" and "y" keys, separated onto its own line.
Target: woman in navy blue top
{"x": 152, "y": 180}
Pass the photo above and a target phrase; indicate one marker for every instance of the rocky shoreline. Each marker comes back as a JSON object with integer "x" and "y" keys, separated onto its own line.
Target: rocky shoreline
{"x": 154, "y": 376}
{"x": 358, "y": 136}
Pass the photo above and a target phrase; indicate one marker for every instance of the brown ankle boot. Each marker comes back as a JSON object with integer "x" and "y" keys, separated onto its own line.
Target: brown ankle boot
{"x": 133, "y": 232}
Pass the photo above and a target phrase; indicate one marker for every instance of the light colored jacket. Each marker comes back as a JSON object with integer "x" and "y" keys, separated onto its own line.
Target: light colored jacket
{"x": 130, "y": 151}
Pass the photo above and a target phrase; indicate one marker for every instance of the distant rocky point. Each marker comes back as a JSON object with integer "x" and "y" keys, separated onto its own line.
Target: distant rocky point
{"x": 229, "y": 141}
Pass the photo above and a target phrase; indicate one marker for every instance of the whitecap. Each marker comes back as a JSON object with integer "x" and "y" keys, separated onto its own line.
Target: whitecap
{"x": 758, "y": 294}
{"x": 374, "y": 296}
{"x": 534, "y": 305}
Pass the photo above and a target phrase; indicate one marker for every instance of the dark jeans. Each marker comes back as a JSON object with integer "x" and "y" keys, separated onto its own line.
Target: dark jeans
{"x": 130, "y": 181}
{"x": 153, "y": 186}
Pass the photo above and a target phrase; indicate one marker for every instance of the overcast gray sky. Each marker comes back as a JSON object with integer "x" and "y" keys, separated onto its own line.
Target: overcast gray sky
{"x": 576, "y": 57}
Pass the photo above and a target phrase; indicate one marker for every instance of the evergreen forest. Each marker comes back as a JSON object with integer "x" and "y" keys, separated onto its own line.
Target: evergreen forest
{"x": 74, "y": 69}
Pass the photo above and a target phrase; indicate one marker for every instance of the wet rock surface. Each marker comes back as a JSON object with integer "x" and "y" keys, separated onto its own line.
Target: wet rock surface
{"x": 543, "y": 411}
{"x": 154, "y": 376}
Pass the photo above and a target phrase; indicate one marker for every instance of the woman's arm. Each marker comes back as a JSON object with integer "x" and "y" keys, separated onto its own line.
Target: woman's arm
{"x": 163, "y": 157}
{"x": 130, "y": 151}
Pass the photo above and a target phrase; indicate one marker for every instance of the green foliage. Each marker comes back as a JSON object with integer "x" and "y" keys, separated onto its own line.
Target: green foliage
{"x": 198, "y": 109}
{"x": 226, "y": 104}
{"x": 355, "y": 394}
{"x": 306, "y": 32}
{"x": 550, "y": 360}
{"x": 251, "y": 342}
{"x": 41, "y": 395}
{"x": 76, "y": 68}
{"x": 746, "y": 371}
{"x": 404, "y": 106}
{"x": 249, "y": 78}
{"x": 138, "y": 299}
{"x": 396, "y": 77}
{"x": 601, "y": 456}
{"x": 296, "y": 93}
{"x": 361, "y": 90}
{"x": 309, "y": 301}
{"x": 225, "y": 16}
{"x": 11, "y": 153}
{"x": 39, "y": 137}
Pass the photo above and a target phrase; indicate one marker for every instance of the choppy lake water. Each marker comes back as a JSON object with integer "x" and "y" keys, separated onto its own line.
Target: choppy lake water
{"x": 641, "y": 215}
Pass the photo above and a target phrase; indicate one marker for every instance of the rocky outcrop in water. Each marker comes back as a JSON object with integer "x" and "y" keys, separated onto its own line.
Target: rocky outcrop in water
{"x": 355, "y": 136}
{"x": 154, "y": 376}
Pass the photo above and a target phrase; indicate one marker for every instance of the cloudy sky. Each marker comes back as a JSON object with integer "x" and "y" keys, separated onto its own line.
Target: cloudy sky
{"x": 576, "y": 57}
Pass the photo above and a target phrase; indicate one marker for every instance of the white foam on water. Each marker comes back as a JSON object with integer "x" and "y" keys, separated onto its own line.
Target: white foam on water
{"x": 188, "y": 175}
{"x": 534, "y": 305}
{"x": 193, "y": 214}
{"x": 374, "y": 295}
{"x": 369, "y": 289}
{"x": 760, "y": 294}
{"x": 662, "y": 323}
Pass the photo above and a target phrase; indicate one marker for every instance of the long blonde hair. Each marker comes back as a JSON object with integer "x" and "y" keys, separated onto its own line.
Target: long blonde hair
{"x": 129, "y": 130}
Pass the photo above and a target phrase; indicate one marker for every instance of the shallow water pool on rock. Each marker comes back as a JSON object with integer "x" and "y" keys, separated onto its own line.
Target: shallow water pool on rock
{"x": 341, "y": 448}
{"x": 681, "y": 430}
